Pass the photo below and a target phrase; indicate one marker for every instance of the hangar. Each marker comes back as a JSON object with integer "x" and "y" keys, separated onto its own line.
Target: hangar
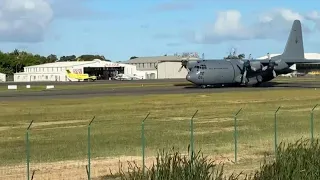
{"x": 163, "y": 67}
{"x": 3, "y": 77}
{"x": 57, "y": 71}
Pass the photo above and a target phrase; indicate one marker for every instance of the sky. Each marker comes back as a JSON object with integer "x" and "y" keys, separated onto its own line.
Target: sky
{"x": 119, "y": 29}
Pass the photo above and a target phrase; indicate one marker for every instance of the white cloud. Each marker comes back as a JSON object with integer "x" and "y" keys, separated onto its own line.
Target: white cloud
{"x": 229, "y": 25}
{"x": 314, "y": 16}
{"x": 24, "y": 20}
{"x": 28, "y": 20}
{"x": 76, "y": 10}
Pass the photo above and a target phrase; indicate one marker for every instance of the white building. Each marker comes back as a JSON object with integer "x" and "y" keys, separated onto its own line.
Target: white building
{"x": 3, "y": 77}
{"x": 57, "y": 71}
{"x": 170, "y": 70}
{"x": 161, "y": 67}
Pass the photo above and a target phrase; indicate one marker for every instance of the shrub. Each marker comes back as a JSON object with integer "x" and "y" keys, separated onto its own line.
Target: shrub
{"x": 175, "y": 166}
{"x": 300, "y": 160}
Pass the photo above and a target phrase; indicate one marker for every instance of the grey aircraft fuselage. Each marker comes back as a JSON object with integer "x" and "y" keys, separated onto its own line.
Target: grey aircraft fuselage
{"x": 226, "y": 72}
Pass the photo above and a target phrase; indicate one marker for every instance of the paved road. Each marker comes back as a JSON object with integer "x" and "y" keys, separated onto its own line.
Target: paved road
{"x": 50, "y": 94}
{"x": 96, "y": 82}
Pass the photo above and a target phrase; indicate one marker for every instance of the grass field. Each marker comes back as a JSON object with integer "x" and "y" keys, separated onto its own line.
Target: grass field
{"x": 59, "y": 131}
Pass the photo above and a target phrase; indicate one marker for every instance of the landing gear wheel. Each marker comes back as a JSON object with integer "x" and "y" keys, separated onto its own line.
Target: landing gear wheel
{"x": 257, "y": 84}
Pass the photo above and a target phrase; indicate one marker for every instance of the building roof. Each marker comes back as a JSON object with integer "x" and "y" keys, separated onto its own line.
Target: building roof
{"x": 63, "y": 64}
{"x": 72, "y": 63}
{"x": 154, "y": 59}
{"x": 306, "y": 55}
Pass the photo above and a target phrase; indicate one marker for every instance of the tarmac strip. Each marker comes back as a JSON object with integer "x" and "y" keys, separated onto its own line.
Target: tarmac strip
{"x": 86, "y": 93}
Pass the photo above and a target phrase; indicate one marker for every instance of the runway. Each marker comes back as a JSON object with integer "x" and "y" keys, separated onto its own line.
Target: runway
{"x": 97, "y": 82}
{"x": 124, "y": 91}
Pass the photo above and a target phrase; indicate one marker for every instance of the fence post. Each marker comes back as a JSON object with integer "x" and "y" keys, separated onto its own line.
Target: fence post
{"x": 143, "y": 143}
{"x": 311, "y": 123}
{"x": 89, "y": 153}
{"x": 236, "y": 136}
{"x": 191, "y": 135}
{"x": 28, "y": 150}
{"x": 275, "y": 131}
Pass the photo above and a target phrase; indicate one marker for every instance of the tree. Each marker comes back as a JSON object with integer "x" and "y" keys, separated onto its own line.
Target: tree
{"x": 88, "y": 57}
{"x": 133, "y": 57}
{"x": 16, "y": 60}
{"x": 52, "y": 58}
{"x": 68, "y": 58}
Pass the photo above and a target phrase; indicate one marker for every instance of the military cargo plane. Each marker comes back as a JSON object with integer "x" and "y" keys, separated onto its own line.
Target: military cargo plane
{"x": 246, "y": 72}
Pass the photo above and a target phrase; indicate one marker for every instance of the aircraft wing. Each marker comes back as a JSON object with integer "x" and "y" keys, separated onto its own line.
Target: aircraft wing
{"x": 93, "y": 77}
{"x": 265, "y": 62}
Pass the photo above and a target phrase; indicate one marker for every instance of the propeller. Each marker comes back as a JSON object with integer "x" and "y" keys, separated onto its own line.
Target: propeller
{"x": 249, "y": 66}
{"x": 246, "y": 66}
{"x": 183, "y": 65}
{"x": 271, "y": 66}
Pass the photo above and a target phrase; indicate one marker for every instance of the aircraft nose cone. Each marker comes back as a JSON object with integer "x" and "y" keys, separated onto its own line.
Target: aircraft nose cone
{"x": 188, "y": 77}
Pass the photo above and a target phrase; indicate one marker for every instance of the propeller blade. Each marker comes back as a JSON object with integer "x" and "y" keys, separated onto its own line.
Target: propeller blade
{"x": 264, "y": 68}
{"x": 244, "y": 76}
{"x": 180, "y": 68}
{"x": 274, "y": 73}
{"x": 239, "y": 67}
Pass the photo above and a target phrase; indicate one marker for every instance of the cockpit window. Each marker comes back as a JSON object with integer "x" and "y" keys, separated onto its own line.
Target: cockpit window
{"x": 203, "y": 66}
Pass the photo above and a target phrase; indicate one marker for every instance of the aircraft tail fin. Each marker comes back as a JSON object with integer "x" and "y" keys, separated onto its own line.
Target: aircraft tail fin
{"x": 294, "y": 50}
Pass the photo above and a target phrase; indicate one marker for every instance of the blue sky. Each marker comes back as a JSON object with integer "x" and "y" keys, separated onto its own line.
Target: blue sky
{"x": 119, "y": 29}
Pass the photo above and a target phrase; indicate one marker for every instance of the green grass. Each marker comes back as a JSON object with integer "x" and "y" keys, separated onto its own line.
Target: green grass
{"x": 299, "y": 160}
{"x": 174, "y": 166}
{"x": 59, "y": 131}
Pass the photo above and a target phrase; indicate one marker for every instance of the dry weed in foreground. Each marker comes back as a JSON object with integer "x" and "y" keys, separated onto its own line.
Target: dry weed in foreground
{"x": 299, "y": 160}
